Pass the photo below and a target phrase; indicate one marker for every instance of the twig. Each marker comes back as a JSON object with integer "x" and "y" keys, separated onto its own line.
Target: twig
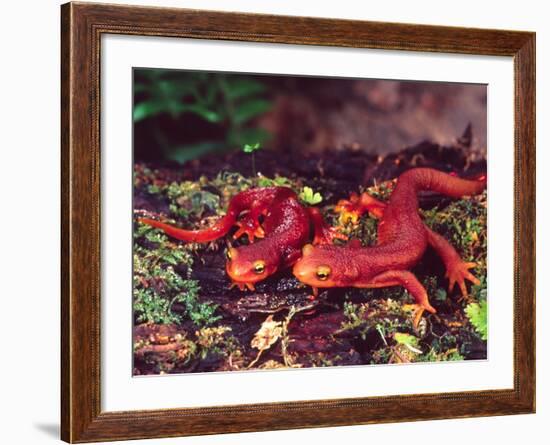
{"x": 253, "y": 362}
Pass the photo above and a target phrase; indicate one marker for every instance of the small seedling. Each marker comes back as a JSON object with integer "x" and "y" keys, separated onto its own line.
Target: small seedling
{"x": 309, "y": 197}
{"x": 250, "y": 149}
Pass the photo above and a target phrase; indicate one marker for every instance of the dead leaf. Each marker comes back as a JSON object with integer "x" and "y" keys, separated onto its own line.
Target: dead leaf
{"x": 267, "y": 335}
{"x": 272, "y": 364}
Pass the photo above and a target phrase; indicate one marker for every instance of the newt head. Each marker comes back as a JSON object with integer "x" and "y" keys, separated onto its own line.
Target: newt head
{"x": 246, "y": 265}
{"x": 326, "y": 266}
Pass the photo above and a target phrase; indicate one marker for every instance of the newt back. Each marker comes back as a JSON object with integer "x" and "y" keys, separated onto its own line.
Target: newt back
{"x": 402, "y": 237}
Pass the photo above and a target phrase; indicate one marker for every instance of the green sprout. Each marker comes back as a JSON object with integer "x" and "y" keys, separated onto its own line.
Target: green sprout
{"x": 309, "y": 197}
{"x": 250, "y": 149}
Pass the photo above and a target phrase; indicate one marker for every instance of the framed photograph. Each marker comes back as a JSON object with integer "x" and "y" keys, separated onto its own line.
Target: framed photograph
{"x": 276, "y": 222}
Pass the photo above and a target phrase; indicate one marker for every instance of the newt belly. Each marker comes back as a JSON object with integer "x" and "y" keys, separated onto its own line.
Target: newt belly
{"x": 285, "y": 229}
{"x": 402, "y": 241}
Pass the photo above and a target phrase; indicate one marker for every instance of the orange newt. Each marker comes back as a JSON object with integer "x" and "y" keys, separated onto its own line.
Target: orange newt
{"x": 402, "y": 241}
{"x": 284, "y": 231}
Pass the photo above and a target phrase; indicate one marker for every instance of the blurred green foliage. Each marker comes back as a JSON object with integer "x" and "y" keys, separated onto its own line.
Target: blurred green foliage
{"x": 228, "y": 101}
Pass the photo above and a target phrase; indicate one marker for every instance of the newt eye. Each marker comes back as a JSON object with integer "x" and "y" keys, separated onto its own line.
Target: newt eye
{"x": 323, "y": 272}
{"x": 259, "y": 267}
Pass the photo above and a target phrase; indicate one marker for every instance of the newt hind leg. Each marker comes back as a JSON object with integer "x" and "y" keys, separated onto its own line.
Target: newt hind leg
{"x": 249, "y": 224}
{"x": 457, "y": 271}
{"x": 411, "y": 284}
{"x": 352, "y": 209}
{"x": 322, "y": 232}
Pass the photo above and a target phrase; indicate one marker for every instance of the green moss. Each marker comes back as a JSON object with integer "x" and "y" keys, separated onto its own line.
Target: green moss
{"x": 158, "y": 287}
{"x": 450, "y": 355}
{"x": 403, "y": 338}
{"x": 277, "y": 181}
{"x": 154, "y": 303}
{"x": 356, "y": 319}
{"x": 200, "y": 313}
{"x": 216, "y": 341}
{"x": 479, "y": 291}
{"x": 151, "y": 308}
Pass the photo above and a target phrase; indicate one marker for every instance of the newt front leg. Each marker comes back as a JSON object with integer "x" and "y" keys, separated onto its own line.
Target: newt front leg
{"x": 352, "y": 209}
{"x": 322, "y": 232}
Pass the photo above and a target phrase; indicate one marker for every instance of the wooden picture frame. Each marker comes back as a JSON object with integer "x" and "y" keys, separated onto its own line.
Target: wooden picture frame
{"x": 82, "y": 26}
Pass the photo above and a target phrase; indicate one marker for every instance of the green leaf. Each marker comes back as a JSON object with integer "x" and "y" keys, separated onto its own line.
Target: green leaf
{"x": 249, "y": 148}
{"x": 309, "y": 197}
{"x": 282, "y": 181}
{"x": 279, "y": 181}
{"x": 405, "y": 339}
{"x": 202, "y": 111}
{"x": 146, "y": 109}
{"x": 477, "y": 314}
{"x": 250, "y": 109}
